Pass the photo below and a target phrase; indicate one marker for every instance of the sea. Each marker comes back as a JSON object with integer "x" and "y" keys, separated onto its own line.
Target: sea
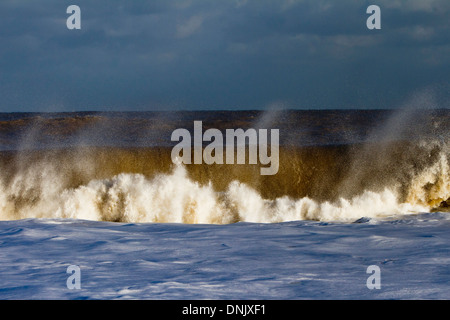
{"x": 358, "y": 209}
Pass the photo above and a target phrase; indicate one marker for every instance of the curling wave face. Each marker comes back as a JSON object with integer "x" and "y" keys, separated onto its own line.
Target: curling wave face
{"x": 327, "y": 183}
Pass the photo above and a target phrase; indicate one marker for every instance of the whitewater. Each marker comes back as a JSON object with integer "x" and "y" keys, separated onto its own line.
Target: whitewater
{"x": 174, "y": 198}
{"x": 139, "y": 226}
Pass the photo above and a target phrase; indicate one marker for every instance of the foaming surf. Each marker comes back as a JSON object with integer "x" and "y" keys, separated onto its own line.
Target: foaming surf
{"x": 45, "y": 190}
{"x": 67, "y": 168}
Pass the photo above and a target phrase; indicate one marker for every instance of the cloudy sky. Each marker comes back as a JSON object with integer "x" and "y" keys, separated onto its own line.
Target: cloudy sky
{"x": 222, "y": 54}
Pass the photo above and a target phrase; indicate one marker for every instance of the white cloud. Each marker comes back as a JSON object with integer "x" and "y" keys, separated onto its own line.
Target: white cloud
{"x": 416, "y": 5}
{"x": 421, "y": 33}
{"x": 189, "y": 27}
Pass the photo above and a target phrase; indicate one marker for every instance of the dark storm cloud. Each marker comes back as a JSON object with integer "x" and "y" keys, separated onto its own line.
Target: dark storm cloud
{"x": 204, "y": 54}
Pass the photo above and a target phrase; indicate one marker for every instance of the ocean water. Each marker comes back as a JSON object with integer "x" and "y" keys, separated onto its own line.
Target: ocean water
{"x": 355, "y": 188}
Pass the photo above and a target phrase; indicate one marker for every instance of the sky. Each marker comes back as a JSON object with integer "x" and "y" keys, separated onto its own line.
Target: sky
{"x": 223, "y": 54}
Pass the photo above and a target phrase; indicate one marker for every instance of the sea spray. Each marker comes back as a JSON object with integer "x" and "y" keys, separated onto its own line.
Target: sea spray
{"x": 393, "y": 172}
{"x": 174, "y": 197}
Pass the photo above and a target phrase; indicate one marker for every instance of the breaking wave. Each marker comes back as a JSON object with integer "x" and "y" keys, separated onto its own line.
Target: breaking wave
{"x": 329, "y": 183}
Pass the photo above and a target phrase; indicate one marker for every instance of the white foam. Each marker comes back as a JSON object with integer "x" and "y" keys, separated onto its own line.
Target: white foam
{"x": 176, "y": 198}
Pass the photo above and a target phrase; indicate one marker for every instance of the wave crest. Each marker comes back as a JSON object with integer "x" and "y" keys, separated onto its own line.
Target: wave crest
{"x": 44, "y": 190}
